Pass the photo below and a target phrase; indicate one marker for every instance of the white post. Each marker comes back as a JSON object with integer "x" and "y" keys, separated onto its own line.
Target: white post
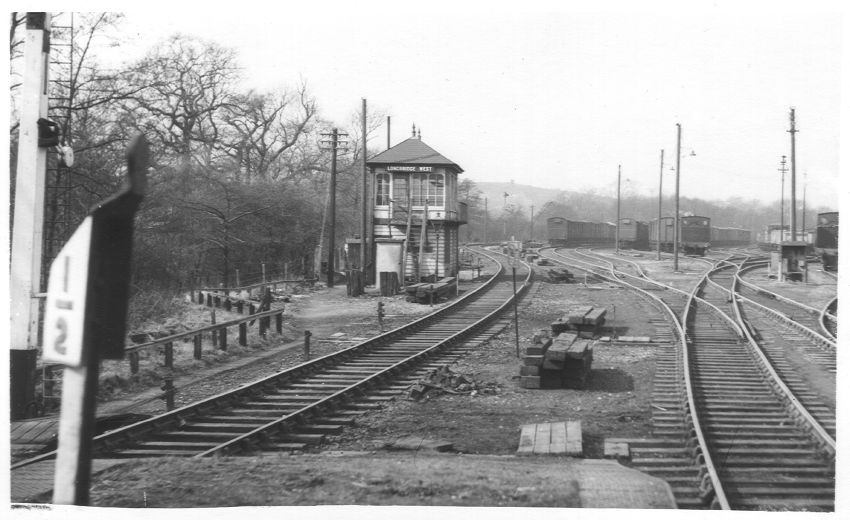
{"x": 29, "y": 197}
{"x": 29, "y": 191}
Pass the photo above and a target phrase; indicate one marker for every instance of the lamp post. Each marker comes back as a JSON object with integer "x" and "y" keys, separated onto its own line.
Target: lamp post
{"x": 512, "y": 260}
{"x": 660, "y": 182}
{"x": 617, "y": 229}
{"x": 676, "y": 214}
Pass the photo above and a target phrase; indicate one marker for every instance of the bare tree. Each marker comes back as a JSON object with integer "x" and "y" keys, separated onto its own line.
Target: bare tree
{"x": 264, "y": 127}
{"x": 188, "y": 84}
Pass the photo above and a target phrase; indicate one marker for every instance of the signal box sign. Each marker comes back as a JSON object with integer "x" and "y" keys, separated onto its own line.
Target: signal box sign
{"x": 65, "y": 314}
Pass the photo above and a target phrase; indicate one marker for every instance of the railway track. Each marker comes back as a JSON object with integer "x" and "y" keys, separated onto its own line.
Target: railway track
{"x": 761, "y": 420}
{"x": 728, "y": 430}
{"x": 299, "y": 406}
{"x": 813, "y": 322}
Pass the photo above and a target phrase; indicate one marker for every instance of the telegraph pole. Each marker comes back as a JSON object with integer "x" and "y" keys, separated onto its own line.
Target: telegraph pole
{"x": 676, "y": 216}
{"x": 803, "y": 227}
{"x": 660, "y": 182}
{"x": 365, "y": 200}
{"x": 485, "y": 220}
{"x": 793, "y": 131}
{"x": 617, "y": 229}
{"x": 30, "y": 181}
{"x": 532, "y": 222}
{"x": 388, "y": 132}
{"x": 783, "y": 169}
{"x": 334, "y": 142}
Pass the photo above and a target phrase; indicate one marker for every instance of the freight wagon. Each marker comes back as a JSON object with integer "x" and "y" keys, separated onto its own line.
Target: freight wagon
{"x": 633, "y": 234}
{"x": 730, "y": 237}
{"x": 564, "y": 232}
{"x": 826, "y": 240}
{"x": 694, "y": 234}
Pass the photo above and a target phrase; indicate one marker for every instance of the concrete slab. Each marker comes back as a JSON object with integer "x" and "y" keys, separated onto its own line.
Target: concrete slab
{"x": 29, "y": 482}
{"x": 604, "y": 483}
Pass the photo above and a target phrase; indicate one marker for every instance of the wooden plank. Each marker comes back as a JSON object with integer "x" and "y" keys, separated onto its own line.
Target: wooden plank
{"x": 542, "y": 439}
{"x": 595, "y": 317}
{"x": 560, "y": 347}
{"x": 532, "y": 361}
{"x": 576, "y": 315}
{"x": 529, "y": 371}
{"x": 558, "y": 443}
{"x": 578, "y": 350}
{"x": 574, "y": 438}
{"x": 526, "y": 439}
{"x": 529, "y": 381}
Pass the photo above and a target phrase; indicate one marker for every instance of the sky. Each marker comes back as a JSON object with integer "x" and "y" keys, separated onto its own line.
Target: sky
{"x": 558, "y": 97}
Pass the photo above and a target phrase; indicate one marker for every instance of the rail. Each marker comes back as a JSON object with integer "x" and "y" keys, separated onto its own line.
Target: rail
{"x": 827, "y": 314}
{"x": 711, "y": 471}
{"x": 776, "y": 381}
{"x": 283, "y": 423}
{"x": 176, "y": 417}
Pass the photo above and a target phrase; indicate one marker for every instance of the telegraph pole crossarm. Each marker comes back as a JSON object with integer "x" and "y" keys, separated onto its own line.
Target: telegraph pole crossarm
{"x": 86, "y": 319}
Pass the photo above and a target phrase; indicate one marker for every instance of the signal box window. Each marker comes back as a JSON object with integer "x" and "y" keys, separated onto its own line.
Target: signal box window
{"x": 382, "y": 189}
{"x": 428, "y": 187}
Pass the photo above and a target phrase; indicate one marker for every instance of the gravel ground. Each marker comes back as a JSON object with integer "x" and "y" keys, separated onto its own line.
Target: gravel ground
{"x": 817, "y": 292}
{"x": 486, "y": 423}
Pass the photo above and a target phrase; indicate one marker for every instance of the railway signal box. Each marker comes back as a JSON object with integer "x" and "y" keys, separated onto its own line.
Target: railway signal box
{"x": 415, "y": 212}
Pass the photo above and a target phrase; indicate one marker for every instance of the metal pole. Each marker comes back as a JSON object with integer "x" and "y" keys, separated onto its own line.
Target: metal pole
{"x": 485, "y": 220}
{"x": 332, "y": 209}
{"x": 803, "y": 226}
{"x": 782, "y": 204}
{"x": 26, "y": 238}
{"x": 660, "y": 184}
{"x": 363, "y": 198}
{"x": 793, "y": 132}
{"x": 617, "y": 229}
{"x": 516, "y": 314}
{"x": 676, "y": 215}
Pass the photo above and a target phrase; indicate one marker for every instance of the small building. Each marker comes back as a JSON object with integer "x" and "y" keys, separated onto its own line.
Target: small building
{"x": 415, "y": 186}
{"x": 789, "y": 262}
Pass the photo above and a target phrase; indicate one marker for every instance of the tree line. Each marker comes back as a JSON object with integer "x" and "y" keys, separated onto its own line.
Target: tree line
{"x": 238, "y": 176}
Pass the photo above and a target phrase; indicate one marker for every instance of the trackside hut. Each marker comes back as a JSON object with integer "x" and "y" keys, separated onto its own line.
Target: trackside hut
{"x": 408, "y": 178}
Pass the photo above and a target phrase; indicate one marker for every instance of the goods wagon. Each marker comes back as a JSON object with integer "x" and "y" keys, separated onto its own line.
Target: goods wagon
{"x": 633, "y": 234}
{"x": 730, "y": 237}
{"x": 665, "y": 236}
{"x": 826, "y": 240}
{"x": 564, "y": 232}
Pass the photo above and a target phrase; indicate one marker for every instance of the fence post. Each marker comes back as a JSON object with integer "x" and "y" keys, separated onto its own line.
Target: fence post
{"x": 243, "y": 333}
{"x": 307, "y": 335}
{"x": 227, "y": 304}
{"x": 168, "y": 395}
{"x": 240, "y": 306}
{"x": 278, "y": 323}
{"x": 197, "y": 339}
{"x": 209, "y": 300}
{"x": 263, "y": 327}
{"x": 222, "y": 339}
{"x": 213, "y": 333}
{"x": 134, "y": 362}
{"x": 251, "y": 309}
{"x": 169, "y": 355}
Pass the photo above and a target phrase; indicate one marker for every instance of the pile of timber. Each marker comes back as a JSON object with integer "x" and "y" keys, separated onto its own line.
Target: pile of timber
{"x": 389, "y": 283}
{"x": 426, "y": 292}
{"x": 559, "y": 275}
{"x": 585, "y": 320}
{"x": 560, "y": 362}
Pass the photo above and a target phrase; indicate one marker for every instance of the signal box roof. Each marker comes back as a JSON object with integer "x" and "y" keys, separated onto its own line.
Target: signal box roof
{"x": 414, "y": 152}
